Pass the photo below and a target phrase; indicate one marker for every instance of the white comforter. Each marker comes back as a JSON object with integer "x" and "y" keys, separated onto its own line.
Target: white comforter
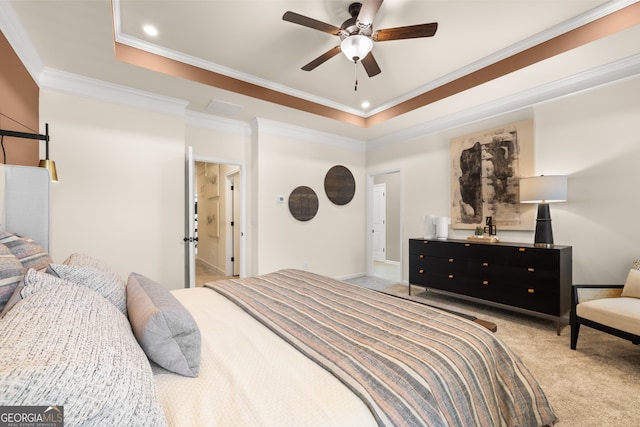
{"x": 251, "y": 377}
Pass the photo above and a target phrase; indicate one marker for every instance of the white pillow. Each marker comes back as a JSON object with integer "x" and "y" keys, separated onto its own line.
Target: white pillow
{"x": 632, "y": 285}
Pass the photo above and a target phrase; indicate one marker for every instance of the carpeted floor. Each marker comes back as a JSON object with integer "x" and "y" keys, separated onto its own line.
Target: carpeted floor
{"x": 596, "y": 385}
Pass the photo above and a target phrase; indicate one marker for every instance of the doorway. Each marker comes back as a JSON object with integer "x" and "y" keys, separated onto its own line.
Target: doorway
{"x": 217, "y": 222}
{"x": 385, "y": 243}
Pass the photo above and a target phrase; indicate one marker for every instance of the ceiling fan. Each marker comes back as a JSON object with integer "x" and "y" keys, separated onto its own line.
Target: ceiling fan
{"x": 357, "y": 34}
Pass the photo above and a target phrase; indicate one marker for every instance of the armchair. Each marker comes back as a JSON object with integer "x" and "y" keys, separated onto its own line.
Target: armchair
{"x": 614, "y": 309}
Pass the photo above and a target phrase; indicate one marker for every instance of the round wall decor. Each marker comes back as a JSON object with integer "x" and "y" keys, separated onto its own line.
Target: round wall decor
{"x": 339, "y": 185}
{"x": 303, "y": 203}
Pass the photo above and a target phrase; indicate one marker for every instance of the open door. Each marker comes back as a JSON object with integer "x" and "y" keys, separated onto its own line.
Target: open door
{"x": 379, "y": 229}
{"x": 190, "y": 237}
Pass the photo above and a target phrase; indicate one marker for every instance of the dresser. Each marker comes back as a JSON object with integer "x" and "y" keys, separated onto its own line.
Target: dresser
{"x": 514, "y": 275}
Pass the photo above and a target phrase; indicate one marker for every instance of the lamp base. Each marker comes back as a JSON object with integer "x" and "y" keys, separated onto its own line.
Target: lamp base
{"x": 544, "y": 233}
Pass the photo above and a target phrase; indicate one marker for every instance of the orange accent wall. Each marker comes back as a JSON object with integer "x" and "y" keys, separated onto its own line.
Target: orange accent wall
{"x": 19, "y": 108}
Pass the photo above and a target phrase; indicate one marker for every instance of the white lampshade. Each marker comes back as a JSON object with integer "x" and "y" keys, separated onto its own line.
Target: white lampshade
{"x": 543, "y": 189}
{"x": 356, "y": 47}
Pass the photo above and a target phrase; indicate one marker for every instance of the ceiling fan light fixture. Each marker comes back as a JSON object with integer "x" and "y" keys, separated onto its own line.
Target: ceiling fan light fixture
{"x": 356, "y": 47}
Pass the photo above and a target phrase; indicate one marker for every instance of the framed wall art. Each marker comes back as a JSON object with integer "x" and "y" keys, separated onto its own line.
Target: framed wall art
{"x": 211, "y": 180}
{"x": 485, "y": 171}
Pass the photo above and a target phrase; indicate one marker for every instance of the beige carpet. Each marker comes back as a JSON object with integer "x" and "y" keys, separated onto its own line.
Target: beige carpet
{"x": 596, "y": 385}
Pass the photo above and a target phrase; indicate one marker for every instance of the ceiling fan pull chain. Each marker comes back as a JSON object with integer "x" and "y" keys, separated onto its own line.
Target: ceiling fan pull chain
{"x": 355, "y": 73}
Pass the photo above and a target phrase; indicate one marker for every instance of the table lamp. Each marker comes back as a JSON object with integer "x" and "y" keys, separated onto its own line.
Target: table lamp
{"x": 543, "y": 189}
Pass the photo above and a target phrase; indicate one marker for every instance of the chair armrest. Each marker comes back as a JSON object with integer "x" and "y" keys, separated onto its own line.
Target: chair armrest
{"x": 582, "y": 293}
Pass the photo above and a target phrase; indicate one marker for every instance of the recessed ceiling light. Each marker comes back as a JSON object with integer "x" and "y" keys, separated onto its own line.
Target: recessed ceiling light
{"x": 365, "y": 104}
{"x": 150, "y": 30}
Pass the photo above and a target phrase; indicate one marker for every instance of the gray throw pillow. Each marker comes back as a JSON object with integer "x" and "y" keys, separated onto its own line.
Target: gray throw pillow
{"x": 165, "y": 330}
{"x": 106, "y": 283}
{"x": 11, "y": 273}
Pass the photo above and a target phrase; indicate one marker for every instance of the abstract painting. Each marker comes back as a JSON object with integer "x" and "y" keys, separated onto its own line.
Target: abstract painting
{"x": 486, "y": 169}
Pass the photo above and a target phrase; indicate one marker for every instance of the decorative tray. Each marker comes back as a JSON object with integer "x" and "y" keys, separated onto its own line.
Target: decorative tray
{"x": 483, "y": 239}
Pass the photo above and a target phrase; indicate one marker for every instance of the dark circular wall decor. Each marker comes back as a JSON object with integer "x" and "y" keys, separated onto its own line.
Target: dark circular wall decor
{"x": 303, "y": 203}
{"x": 339, "y": 185}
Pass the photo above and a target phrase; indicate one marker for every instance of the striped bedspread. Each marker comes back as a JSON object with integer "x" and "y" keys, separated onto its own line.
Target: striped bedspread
{"x": 411, "y": 364}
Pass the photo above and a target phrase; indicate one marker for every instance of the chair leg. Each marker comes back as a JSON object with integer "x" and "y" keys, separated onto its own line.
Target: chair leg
{"x": 575, "y": 329}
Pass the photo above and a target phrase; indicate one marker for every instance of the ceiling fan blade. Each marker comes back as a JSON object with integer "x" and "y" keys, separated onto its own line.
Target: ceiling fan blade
{"x": 409, "y": 32}
{"x": 296, "y": 18}
{"x": 322, "y": 58}
{"x": 371, "y": 65}
{"x": 368, "y": 12}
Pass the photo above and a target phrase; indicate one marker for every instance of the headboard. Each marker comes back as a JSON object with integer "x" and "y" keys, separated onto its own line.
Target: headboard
{"x": 25, "y": 202}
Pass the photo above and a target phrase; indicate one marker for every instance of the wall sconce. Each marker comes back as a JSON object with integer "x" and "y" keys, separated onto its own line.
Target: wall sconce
{"x": 46, "y": 163}
{"x": 543, "y": 190}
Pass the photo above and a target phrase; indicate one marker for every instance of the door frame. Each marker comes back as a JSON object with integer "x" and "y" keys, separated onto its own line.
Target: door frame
{"x": 382, "y": 186}
{"x": 243, "y": 204}
{"x": 370, "y": 182}
{"x": 229, "y": 244}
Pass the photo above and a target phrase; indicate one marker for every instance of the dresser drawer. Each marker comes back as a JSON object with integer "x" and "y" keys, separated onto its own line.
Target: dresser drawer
{"x": 499, "y": 272}
{"x": 440, "y": 249}
{"x": 532, "y": 297}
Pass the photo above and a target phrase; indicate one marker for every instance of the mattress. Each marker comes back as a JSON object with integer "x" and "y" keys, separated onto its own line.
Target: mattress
{"x": 251, "y": 377}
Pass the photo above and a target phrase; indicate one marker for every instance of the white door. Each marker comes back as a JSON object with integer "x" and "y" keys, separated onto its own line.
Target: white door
{"x": 236, "y": 223}
{"x": 190, "y": 237}
{"x": 233, "y": 225}
{"x": 379, "y": 222}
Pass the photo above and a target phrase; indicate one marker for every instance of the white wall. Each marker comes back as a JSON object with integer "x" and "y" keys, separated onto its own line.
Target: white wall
{"x": 593, "y": 137}
{"x": 333, "y": 242}
{"x": 121, "y": 191}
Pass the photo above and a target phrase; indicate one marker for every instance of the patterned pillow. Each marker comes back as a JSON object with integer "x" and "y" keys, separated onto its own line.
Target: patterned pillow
{"x": 30, "y": 254}
{"x": 166, "y": 331}
{"x": 11, "y": 273}
{"x": 66, "y": 345}
{"x": 636, "y": 264}
{"x": 84, "y": 260}
{"x": 106, "y": 283}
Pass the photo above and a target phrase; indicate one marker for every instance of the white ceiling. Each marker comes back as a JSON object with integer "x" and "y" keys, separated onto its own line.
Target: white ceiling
{"x": 248, "y": 40}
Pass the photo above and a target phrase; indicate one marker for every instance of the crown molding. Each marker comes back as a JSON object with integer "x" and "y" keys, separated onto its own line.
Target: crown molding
{"x": 285, "y": 130}
{"x": 86, "y": 87}
{"x": 217, "y": 123}
{"x": 229, "y": 72}
{"x": 591, "y": 79}
{"x": 536, "y": 39}
{"x": 20, "y": 41}
{"x": 548, "y": 34}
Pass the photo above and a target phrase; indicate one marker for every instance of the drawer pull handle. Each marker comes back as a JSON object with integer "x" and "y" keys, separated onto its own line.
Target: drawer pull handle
{"x": 485, "y": 282}
{"x": 531, "y": 290}
{"x": 421, "y": 256}
{"x": 451, "y": 276}
{"x": 485, "y": 264}
{"x": 522, "y": 249}
{"x": 531, "y": 269}
{"x": 450, "y": 259}
{"x": 467, "y": 244}
{"x": 420, "y": 271}
{"x": 425, "y": 241}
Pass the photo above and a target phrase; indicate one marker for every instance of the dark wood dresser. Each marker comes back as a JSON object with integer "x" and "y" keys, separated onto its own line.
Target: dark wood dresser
{"x": 514, "y": 275}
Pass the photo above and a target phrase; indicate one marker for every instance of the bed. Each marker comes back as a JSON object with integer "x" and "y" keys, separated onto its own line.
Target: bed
{"x": 285, "y": 348}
